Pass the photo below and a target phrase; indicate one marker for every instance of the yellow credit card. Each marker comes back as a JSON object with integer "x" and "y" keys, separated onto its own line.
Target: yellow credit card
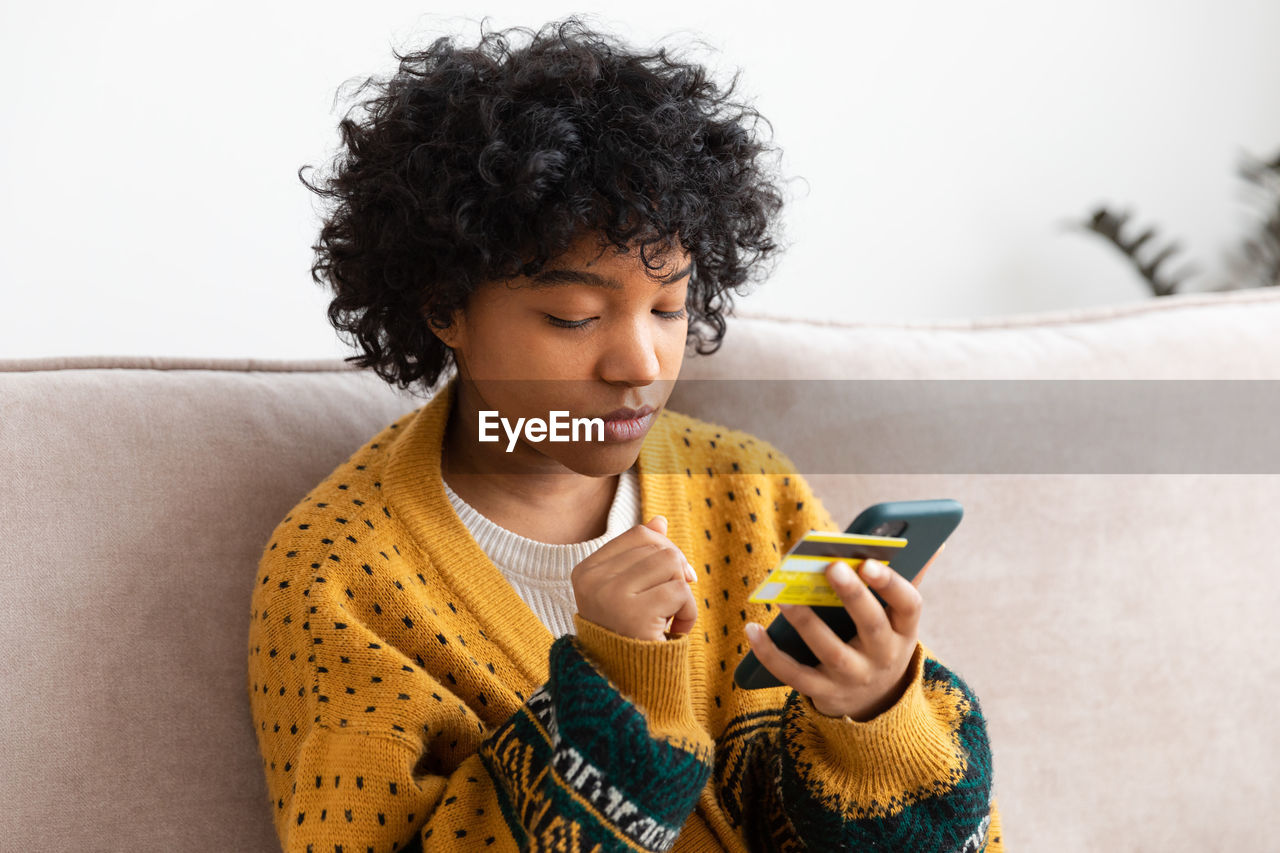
{"x": 801, "y": 576}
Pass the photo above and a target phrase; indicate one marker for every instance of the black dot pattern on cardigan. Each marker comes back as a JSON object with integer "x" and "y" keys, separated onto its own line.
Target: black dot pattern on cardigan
{"x": 373, "y": 688}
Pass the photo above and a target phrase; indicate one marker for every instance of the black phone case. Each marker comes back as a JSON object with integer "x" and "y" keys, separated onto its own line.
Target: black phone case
{"x": 928, "y": 524}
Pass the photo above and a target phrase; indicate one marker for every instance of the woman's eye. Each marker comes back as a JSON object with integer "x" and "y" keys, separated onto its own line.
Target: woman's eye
{"x": 567, "y": 324}
{"x": 562, "y": 323}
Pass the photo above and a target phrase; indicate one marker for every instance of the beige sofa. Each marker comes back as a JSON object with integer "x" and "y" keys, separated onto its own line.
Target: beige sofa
{"x": 1119, "y": 625}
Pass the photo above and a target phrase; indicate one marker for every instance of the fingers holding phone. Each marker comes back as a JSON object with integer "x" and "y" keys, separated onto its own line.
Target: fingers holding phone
{"x": 916, "y": 530}
{"x": 900, "y": 613}
{"x": 861, "y": 677}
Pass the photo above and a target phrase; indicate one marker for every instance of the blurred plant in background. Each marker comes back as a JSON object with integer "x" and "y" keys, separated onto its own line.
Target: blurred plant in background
{"x": 1255, "y": 264}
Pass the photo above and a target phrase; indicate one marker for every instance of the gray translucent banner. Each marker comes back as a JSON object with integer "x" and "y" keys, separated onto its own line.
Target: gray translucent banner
{"x": 1002, "y": 426}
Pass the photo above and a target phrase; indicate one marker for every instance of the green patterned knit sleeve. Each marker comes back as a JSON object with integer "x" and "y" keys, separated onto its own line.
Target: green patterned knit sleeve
{"x": 577, "y": 767}
{"x": 365, "y": 749}
{"x": 915, "y": 779}
{"x": 586, "y": 769}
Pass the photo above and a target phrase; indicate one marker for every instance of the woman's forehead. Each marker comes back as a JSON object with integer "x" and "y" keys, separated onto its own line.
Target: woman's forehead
{"x": 594, "y": 250}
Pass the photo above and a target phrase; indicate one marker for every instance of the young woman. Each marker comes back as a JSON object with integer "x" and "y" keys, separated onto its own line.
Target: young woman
{"x": 473, "y": 636}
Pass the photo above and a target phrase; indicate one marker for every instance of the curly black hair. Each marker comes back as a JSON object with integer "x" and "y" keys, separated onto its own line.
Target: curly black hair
{"x": 479, "y": 164}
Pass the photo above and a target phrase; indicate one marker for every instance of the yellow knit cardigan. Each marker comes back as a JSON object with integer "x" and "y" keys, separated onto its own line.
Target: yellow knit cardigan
{"x": 404, "y": 696}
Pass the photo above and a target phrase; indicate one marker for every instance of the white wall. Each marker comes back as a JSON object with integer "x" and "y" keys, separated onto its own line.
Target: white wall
{"x": 149, "y": 152}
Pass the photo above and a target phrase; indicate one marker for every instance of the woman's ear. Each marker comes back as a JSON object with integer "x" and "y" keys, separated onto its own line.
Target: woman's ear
{"x": 451, "y": 335}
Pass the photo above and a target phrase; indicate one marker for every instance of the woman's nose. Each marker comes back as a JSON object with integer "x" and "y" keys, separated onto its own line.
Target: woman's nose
{"x": 631, "y": 356}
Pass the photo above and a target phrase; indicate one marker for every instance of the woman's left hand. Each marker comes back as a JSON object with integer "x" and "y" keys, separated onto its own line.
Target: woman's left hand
{"x": 867, "y": 675}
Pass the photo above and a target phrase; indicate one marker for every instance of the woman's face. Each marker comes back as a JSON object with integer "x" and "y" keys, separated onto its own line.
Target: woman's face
{"x": 593, "y": 333}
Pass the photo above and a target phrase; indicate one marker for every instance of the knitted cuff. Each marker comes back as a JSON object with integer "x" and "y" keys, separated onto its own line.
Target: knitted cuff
{"x": 652, "y": 674}
{"x": 902, "y": 748}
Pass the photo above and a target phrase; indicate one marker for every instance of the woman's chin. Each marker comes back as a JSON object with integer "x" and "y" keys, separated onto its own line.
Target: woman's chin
{"x": 606, "y": 459}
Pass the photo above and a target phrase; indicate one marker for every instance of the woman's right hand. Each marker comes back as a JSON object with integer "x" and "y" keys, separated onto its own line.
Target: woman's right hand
{"x": 637, "y": 583}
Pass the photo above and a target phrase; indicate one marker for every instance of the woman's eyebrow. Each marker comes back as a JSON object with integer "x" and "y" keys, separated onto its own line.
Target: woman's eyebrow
{"x": 554, "y": 278}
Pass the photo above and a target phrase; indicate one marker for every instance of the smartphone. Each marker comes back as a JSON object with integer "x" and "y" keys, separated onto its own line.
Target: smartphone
{"x": 924, "y": 524}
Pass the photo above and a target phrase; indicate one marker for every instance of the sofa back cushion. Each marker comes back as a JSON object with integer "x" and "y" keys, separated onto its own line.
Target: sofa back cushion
{"x": 141, "y": 494}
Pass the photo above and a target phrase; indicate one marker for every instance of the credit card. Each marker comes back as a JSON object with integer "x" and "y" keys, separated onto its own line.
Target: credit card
{"x": 801, "y": 576}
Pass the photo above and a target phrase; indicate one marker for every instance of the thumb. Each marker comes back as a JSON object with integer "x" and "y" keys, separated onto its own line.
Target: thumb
{"x": 685, "y": 618}
{"x": 658, "y": 524}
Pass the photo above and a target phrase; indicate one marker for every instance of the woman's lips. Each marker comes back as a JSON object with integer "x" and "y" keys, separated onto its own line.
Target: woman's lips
{"x": 626, "y": 413}
{"x": 628, "y": 428}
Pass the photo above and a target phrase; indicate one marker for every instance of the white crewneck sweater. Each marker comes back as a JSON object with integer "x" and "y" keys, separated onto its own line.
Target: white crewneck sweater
{"x": 538, "y": 571}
